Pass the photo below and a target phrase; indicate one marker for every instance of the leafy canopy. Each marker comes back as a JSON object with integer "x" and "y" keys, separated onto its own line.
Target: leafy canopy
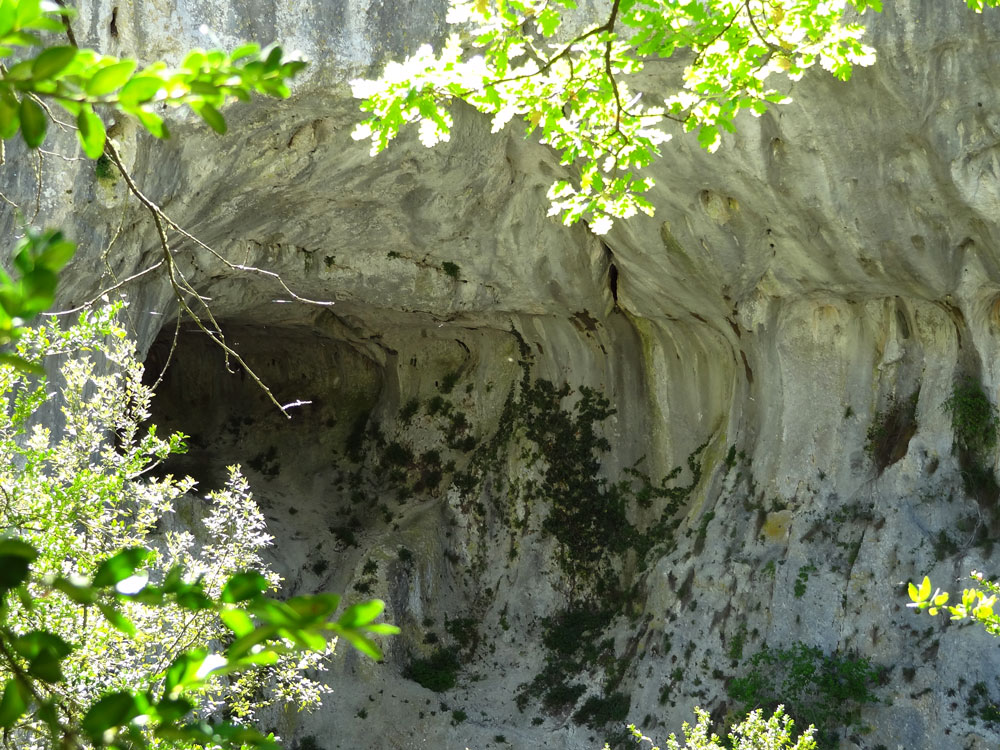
{"x": 753, "y": 733}
{"x": 82, "y": 81}
{"x": 577, "y": 84}
{"x": 977, "y": 603}
{"x": 114, "y": 630}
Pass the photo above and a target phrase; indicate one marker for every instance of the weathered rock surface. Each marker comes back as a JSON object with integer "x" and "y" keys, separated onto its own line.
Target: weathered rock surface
{"x": 833, "y": 267}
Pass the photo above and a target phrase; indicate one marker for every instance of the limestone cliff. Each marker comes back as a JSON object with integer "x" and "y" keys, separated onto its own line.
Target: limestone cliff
{"x": 786, "y": 330}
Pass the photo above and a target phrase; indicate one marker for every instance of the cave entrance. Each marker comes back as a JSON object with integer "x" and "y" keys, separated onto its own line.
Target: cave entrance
{"x": 294, "y": 465}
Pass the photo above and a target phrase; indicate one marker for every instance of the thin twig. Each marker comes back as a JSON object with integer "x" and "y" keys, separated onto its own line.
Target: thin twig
{"x": 170, "y": 354}
{"x": 108, "y": 290}
{"x": 216, "y": 336}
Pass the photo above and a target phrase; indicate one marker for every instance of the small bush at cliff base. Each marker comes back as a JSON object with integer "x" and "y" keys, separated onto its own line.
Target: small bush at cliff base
{"x": 973, "y": 418}
{"x": 975, "y": 422}
{"x": 753, "y": 733}
{"x": 825, "y": 690}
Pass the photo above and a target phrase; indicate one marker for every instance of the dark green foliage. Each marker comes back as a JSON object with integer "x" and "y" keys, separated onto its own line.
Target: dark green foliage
{"x": 465, "y": 632}
{"x": 356, "y": 437}
{"x": 573, "y": 640}
{"x": 973, "y": 418}
{"x": 266, "y": 463}
{"x": 345, "y": 535}
{"x": 438, "y": 672}
{"x": 597, "y": 712}
{"x": 320, "y": 566}
{"x": 802, "y": 579}
{"x": 739, "y": 640}
{"x": 451, "y": 269}
{"x": 396, "y": 454}
{"x": 890, "y": 432}
{"x": 437, "y": 405}
{"x": 827, "y": 690}
{"x": 731, "y": 457}
{"x": 103, "y": 169}
{"x": 558, "y": 695}
{"x": 457, "y": 717}
{"x": 409, "y": 411}
{"x": 981, "y": 705}
{"x": 448, "y": 382}
{"x": 944, "y": 546}
{"x": 588, "y": 513}
{"x": 308, "y": 743}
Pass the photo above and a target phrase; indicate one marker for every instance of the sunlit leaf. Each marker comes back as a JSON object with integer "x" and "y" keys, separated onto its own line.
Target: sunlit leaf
{"x": 120, "y": 566}
{"x": 244, "y": 586}
{"x": 112, "y": 710}
{"x": 14, "y": 703}
{"x": 52, "y": 61}
{"x": 91, "y": 133}
{"x": 361, "y": 614}
{"x": 109, "y": 78}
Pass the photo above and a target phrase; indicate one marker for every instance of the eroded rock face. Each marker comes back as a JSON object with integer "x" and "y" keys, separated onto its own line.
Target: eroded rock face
{"x": 786, "y": 330}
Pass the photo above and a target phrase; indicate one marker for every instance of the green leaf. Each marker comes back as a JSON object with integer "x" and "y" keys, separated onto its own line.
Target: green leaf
{"x": 306, "y": 640}
{"x": 20, "y": 72}
{"x": 33, "y": 122}
{"x": 52, "y": 61}
{"x": 80, "y": 594}
{"x": 194, "y": 61}
{"x": 361, "y": 614}
{"x": 708, "y": 137}
{"x": 18, "y": 548}
{"x": 8, "y": 10}
{"x": 91, "y": 132}
{"x": 117, "y": 619}
{"x": 31, "y": 368}
{"x": 245, "y": 50}
{"x": 13, "y": 704}
{"x": 15, "y": 556}
{"x": 38, "y": 290}
{"x": 244, "y": 586}
{"x": 139, "y": 90}
{"x": 210, "y": 115}
{"x": 548, "y": 21}
{"x": 182, "y": 672}
{"x": 237, "y": 620}
{"x": 107, "y": 79}
{"x": 925, "y": 589}
{"x": 121, "y": 566}
{"x": 152, "y": 122}
{"x": 315, "y": 607}
{"x": 243, "y": 644}
{"x": 44, "y": 651}
{"x": 382, "y": 628}
{"x": 364, "y": 645}
{"x": 27, "y": 11}
{"x": 273, "y": 59}
{"x": 49, "y": 716}
{"x": 57, "y": 253}
{"x": 111, "y": 711}
{"x": 172, "y": 709}
{"x": 192, "y": 598}
{"x": 10, "y": 115}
